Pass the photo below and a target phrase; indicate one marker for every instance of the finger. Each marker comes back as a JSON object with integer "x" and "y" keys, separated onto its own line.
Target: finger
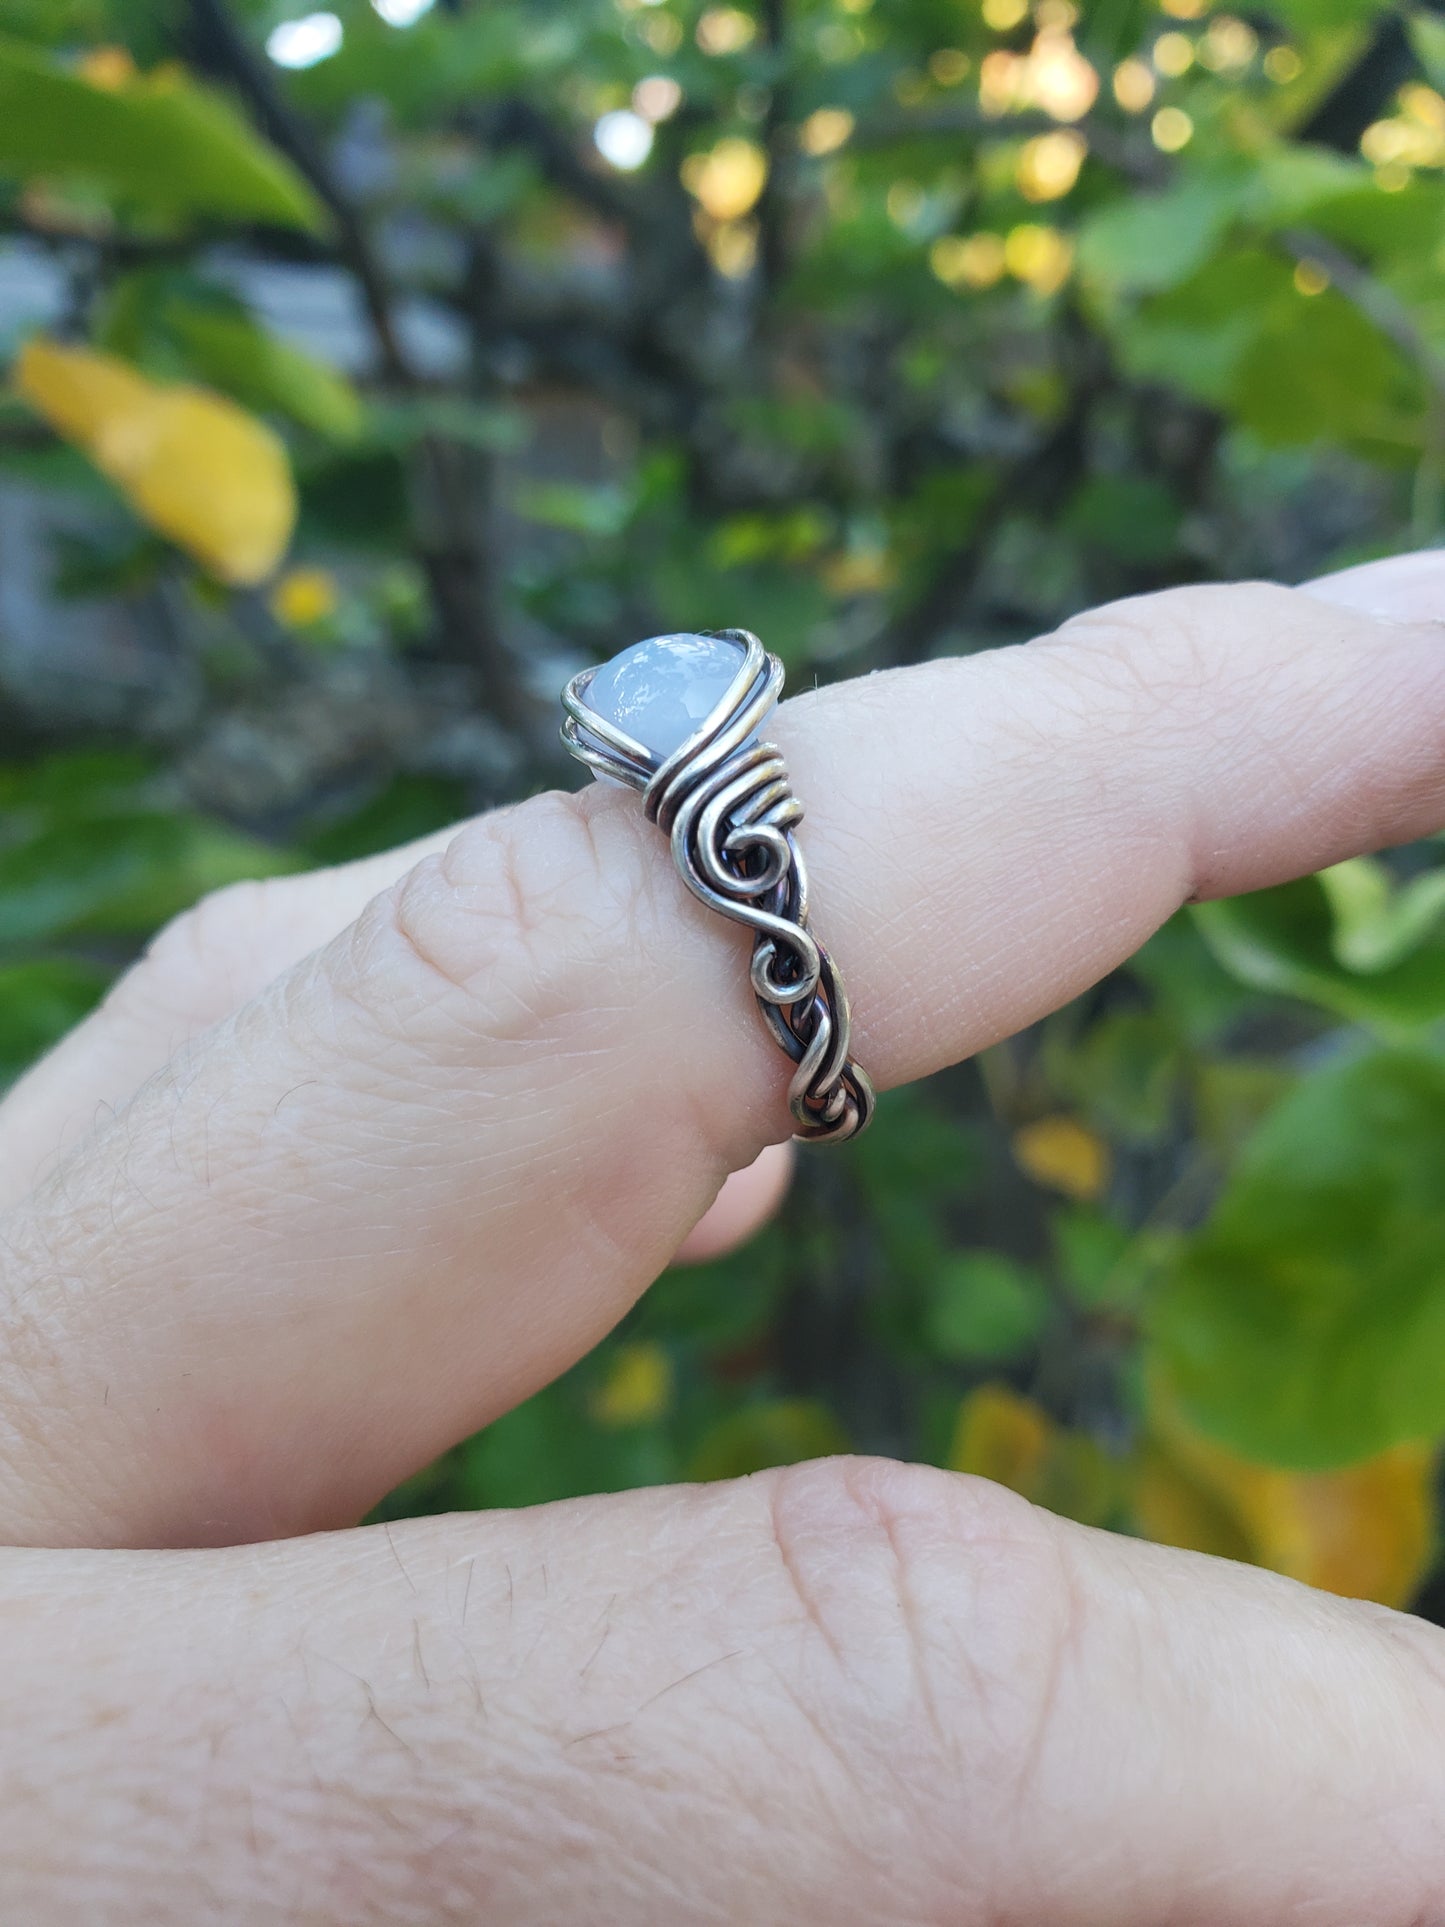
{"x": 745, "y": 1203}
{"x": 848, "y": 1692}
{"x": 202, "y": 967}
{"x": 431, "y": 1166}
{"x": 1405, "y": 588}
{"x": 211, "y": 960}
{"x": 205, "y": 965}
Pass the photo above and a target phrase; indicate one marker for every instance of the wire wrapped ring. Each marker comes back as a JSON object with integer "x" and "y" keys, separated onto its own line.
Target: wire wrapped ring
{"x": 725, "y": 801}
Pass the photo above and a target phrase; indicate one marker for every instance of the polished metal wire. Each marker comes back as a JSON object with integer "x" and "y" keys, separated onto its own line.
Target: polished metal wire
{"x": 725, "y": 801}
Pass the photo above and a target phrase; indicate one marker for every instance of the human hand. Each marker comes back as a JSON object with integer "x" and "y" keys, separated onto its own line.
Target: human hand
{"x": 330, "y": 1201}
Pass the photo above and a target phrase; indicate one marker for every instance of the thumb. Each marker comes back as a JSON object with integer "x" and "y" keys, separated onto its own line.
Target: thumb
{"x": 849, "y": 1692}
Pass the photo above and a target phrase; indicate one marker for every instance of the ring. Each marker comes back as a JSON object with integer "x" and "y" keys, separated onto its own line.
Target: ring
{"x": 677, "y": 718}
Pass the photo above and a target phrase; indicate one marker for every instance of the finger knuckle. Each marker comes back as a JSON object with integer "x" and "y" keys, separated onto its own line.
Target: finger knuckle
{"x": 931, "y": 1613}
{"x": 519, "y": 917}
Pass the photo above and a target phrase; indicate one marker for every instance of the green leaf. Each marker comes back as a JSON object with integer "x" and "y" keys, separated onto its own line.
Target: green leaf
{"x": 163, "y": 141}
{"x": 66, "y": 877}
{"x": 179, "y": 324}
{"x": 1124, "y": 1070}
{"x": 1427, "y": 37}
{"x": 1314, "y": 16}
{"x": 1376, "y": 925}
{"x": 580, "y": 508}
{"x": 1288, "y": 183}
{"x": 120, "y": 873}
{"x": 1233, "y": 1096}
{"x": 74, "y": 784}
{"x": 723, "y": 1305}
{"x": 1093, "y": 1254}
{"x": 407, "y": 809}
{"x": 495, "y": 430}
{"x": 1322, "y": 370}
{"x": 1130, "y": 516}
{"x": 1284, "y": 941}
{"x": 986, "y": 1306}
{"x": 1149, "y": 242}
{"x": 233, "y": 352}
{"x": 1397, "y": 229}
{"x": 1305, "y": 1324}
{"x": 1196, "y": 335}
{"x": 1293, "y": 186}
{"x": 1187, "y": 982}
{"x": 546, "y": 1448}
{"x": 1294, "y": 368}
{"x": 39, "y": 1003}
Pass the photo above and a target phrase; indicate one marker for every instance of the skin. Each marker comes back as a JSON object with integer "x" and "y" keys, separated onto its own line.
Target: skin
{"x": 352, "y": 1163}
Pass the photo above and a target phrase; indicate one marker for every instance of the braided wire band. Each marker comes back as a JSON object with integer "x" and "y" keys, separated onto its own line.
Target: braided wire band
{"x": 725, "y": 801}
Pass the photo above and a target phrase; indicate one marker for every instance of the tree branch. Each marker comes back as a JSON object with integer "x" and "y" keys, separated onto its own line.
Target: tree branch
{"x": 772, "y": 208}
{"x": 1041, "y": 478}
{"x": 224, "y": 49}
{"x": 451, "y": 536}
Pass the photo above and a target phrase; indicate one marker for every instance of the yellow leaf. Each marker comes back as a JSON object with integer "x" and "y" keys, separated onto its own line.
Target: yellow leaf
{"x": 1173, "y": 1509}
{"x": 776, "y": 1431}
{"x": 1001, "y": 1435}
{"x": 857, "y": 572}
{"x": 110, "y": 68}
{"x": 194, "y": 465}
{"x": 303, "y": 597}
{"x": 1063, "y": 1155}
{"x": 733, "y": 247}
{"x": 968, "y": 260}
{"x": 638, "y": 1386}
{"x": 825, "y": 130}
{"x": 727, "y": 180}
{"x": 1039, "y": 255}
{"x": 1366, "y": 1530}
{"x": 76, "y": 391}
{"x": 1049, "y": 165}
{"x": 725, "y": 30}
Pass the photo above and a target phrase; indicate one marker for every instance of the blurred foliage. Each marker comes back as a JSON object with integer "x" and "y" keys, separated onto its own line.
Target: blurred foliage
{"x": 891, "y": 330}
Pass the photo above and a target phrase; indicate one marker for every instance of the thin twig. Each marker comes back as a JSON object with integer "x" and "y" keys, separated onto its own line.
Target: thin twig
{"x": 452, "y": 539}
{"x": 227, "y": 49}
{"x": 1386, "y": 312}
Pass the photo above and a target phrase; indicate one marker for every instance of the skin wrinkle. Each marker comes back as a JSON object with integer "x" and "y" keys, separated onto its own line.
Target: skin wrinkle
{"x": 537, "y": 872}
{"x": 832, "y": 1702}
{"x": 845, "y": 1530}
{"x": 1065, "y": 1649}
{"x": 1116, "y": 629}
{"x": 912, "y": 1625}
{"x": 561, "y": 1062}
{"x": 532, "y": 1030}
{"x": 792, "y": 1573}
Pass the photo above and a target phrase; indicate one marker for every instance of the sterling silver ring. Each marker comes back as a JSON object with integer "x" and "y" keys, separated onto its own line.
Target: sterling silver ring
{"x": 677, "y": 718}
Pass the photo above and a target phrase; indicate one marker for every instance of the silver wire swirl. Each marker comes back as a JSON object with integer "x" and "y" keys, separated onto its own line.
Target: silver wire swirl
{"x": 725, "y": 801}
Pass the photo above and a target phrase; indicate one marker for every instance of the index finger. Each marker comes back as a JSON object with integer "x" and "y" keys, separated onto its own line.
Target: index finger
{"x": 481, "y": 1120}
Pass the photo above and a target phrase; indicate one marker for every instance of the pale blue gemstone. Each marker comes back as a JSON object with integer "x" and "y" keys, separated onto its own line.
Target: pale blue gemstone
{"x": 662, "y": 690}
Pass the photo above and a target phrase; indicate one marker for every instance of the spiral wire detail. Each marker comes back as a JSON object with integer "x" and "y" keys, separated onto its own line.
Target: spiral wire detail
{"x": 725, "y": 801}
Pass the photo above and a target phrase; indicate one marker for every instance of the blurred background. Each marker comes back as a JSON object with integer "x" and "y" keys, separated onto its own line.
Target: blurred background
{"x": 370, "y": 368}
